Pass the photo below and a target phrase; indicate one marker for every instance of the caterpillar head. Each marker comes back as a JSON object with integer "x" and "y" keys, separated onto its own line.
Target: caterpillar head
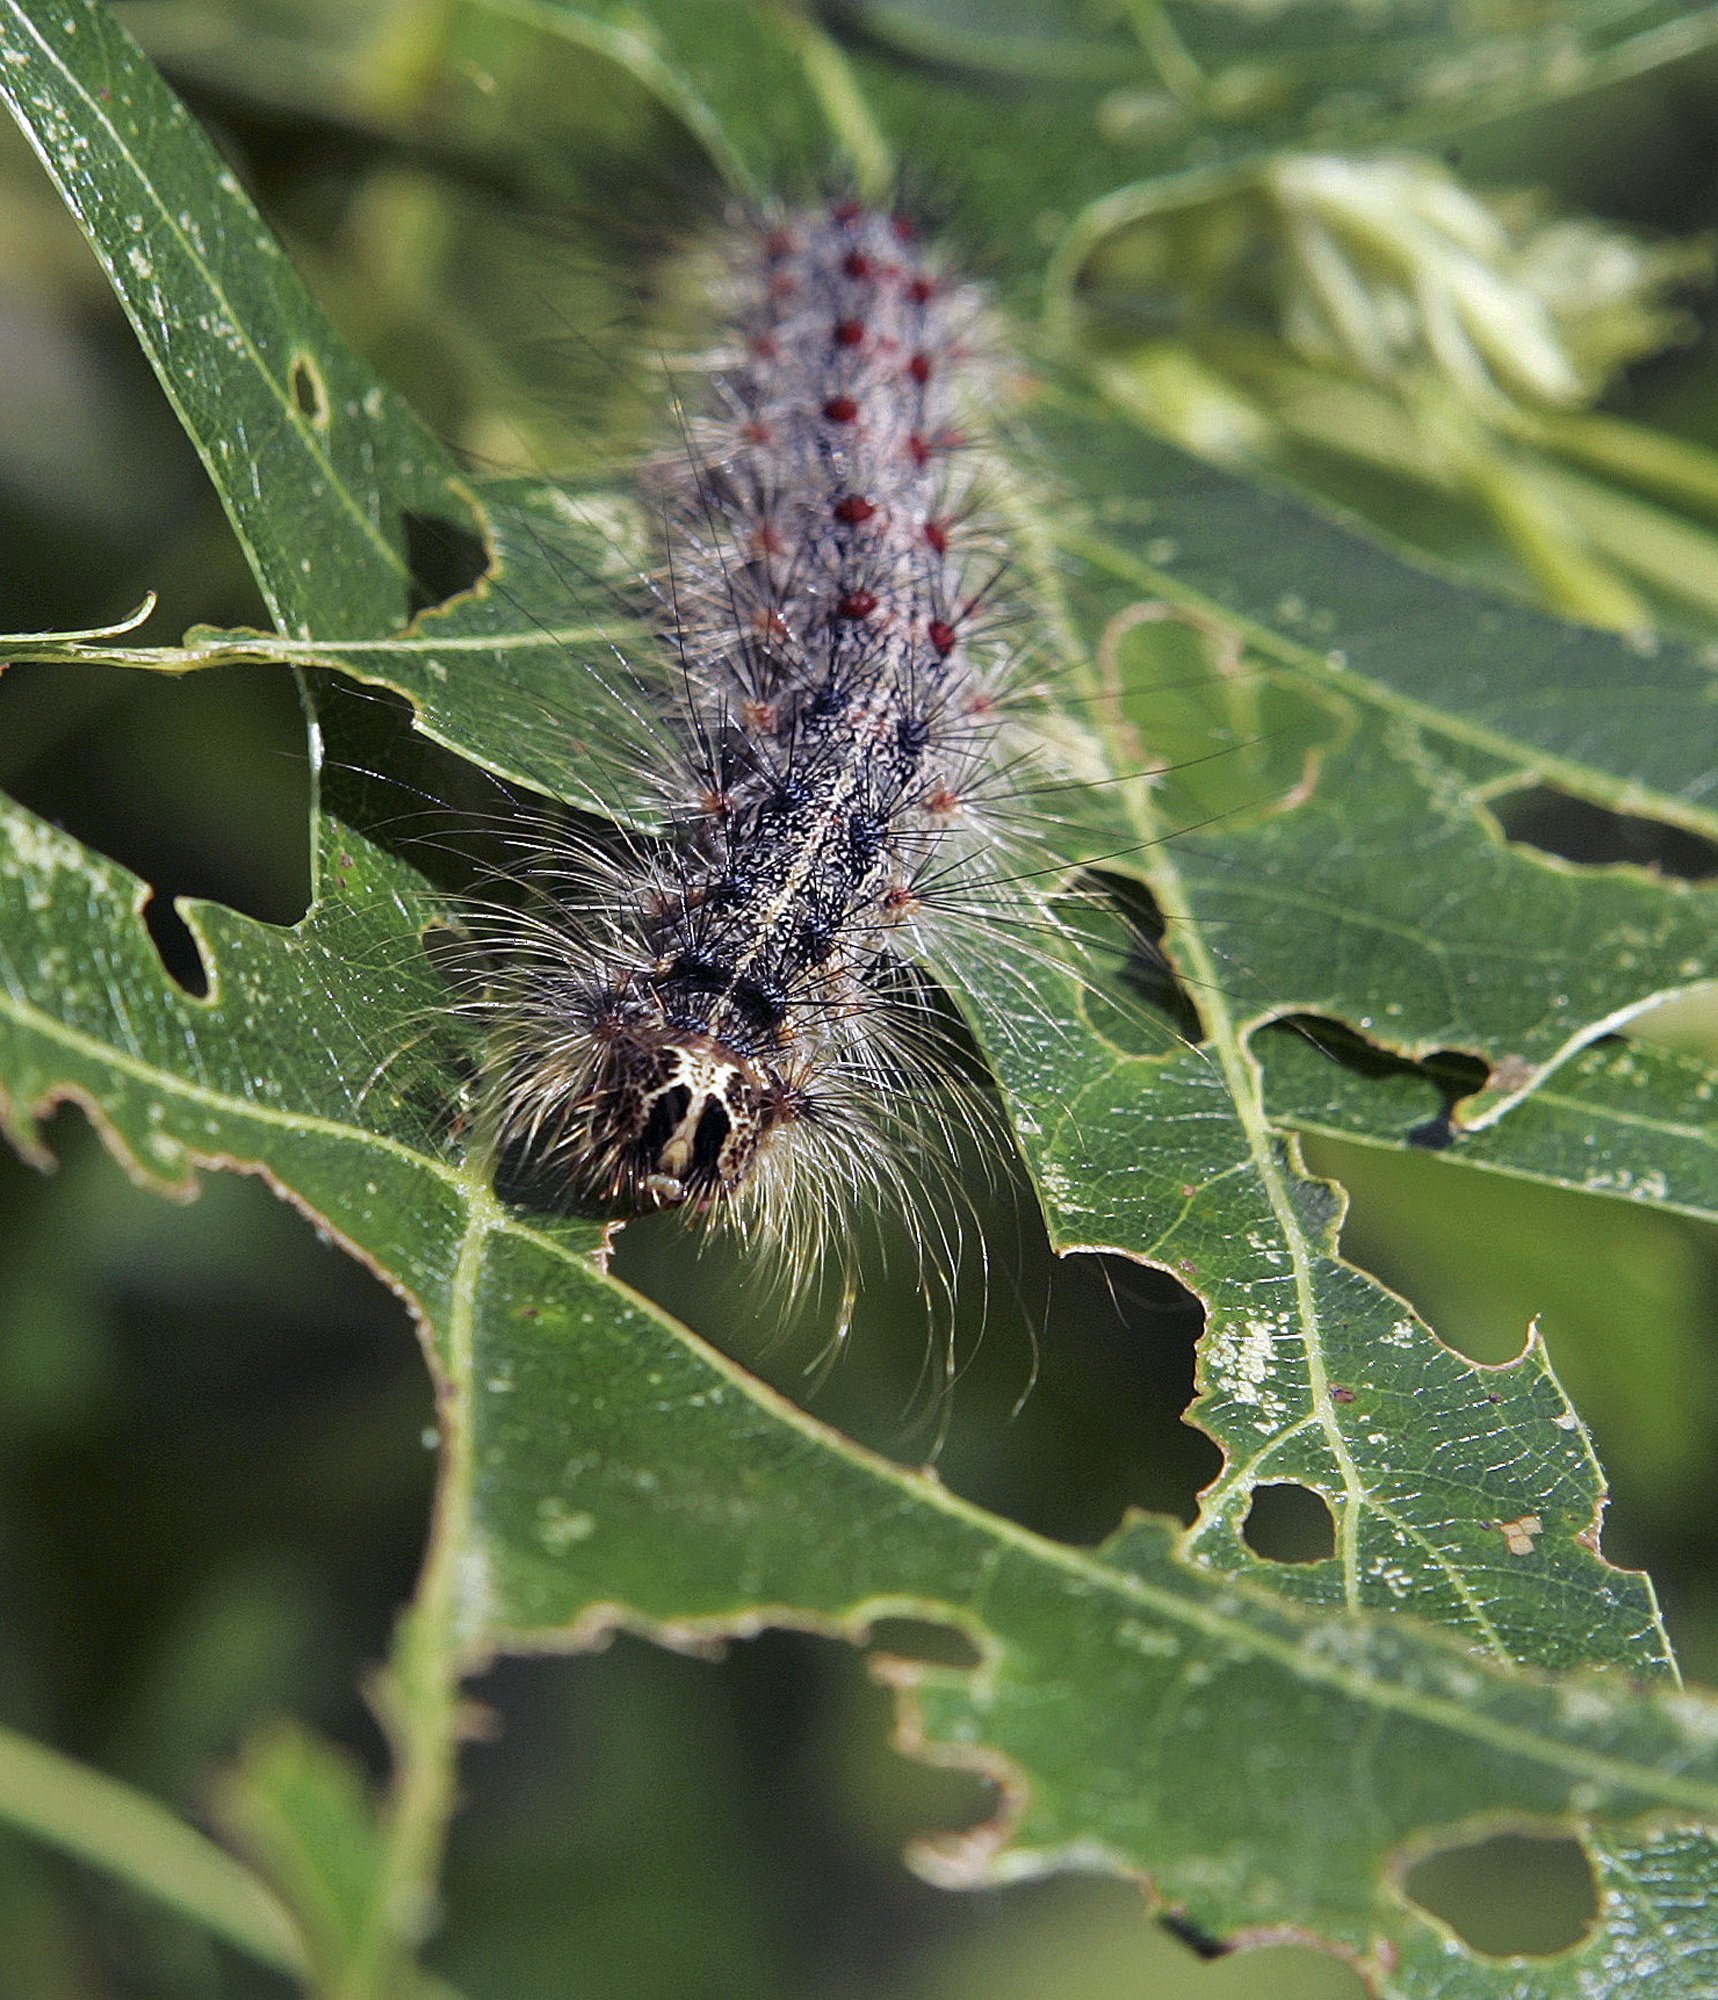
{"x": 676, "y": 1117}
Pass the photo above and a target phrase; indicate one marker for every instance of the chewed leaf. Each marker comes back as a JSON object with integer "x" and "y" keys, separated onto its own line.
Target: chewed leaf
{"x": 1622, "y": 1118}
{"x": 621, "y": 1471}
{"x": 604, "y": 1466}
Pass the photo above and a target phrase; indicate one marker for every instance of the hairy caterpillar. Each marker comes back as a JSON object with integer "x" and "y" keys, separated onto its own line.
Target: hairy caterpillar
{"x": 734, "y": 1020}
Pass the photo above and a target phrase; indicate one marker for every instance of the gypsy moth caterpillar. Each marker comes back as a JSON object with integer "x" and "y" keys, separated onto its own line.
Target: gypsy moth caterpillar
{"x": 826, "y": 792}
{"x": 736, "y": 1019}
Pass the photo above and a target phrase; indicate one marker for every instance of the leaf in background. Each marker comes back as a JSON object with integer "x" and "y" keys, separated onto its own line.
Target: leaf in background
{"x": 603, "y": 1465}
{"x": 109, "y": 1825}
{"x": 1172, "y": 84}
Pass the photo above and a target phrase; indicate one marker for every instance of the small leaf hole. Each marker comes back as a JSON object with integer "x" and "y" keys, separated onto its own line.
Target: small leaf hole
{"x": 446, "y": 560}
{"x": 199, "y": 785}
{"x": 1290, "y": 1524}
{"x": 1134, "y": 928}
{"x": 1433, "y": 1086}
{"x": 309, "y": 391}
{"x": 176, "y": 943}
{"x": 1513, "y": 1895}
{"x": 929, "y": 1640}
{"x": 1573, "y": 829}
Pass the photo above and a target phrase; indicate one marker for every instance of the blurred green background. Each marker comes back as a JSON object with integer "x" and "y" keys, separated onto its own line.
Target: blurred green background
{"x": 213, "y": 1464}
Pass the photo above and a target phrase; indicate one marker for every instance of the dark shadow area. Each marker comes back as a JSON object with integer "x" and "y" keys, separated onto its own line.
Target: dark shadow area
{"x": 450, "y": 820}
{"x": 181, "y": 957}
{"x": 1122, "y": 925}
{"x": 446, "y": 559}
{"x": 1453, "y": 1074}
{"x": 214, "y": 1490}
{"x": 602, "y": 1771}
{"x": 1512, "y": 1894}
{"x": 1287, "y": 1523}
{"x": 1576, "y": 830}
{"x": 199, "y": 784}
{"x": 309, "y": 391}
{"x": 1185, "y": 1931}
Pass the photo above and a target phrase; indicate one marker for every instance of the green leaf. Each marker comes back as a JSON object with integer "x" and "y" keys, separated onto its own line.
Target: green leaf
{"x": 1093, "y": 98}
{"x": 1162, "y": 85}
{"x": 109, "y": 1825}
{"x": 1653, "y": 1933}
{"x": 291, "y": 426}
{"x": 603, "y": 1466}
{"x": 302, "y": 1810}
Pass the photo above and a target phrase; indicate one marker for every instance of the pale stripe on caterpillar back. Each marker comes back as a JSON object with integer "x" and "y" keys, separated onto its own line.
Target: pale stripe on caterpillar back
{"x": 724, "y": 1019}
{"x": 727, "y": 1021}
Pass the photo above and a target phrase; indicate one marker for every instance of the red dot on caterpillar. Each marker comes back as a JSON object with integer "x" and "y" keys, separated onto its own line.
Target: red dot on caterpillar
{"x": 741, "y": 1029}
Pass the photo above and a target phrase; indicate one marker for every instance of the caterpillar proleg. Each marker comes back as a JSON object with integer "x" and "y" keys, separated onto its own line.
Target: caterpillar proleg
{"x": 735, "y": 1020}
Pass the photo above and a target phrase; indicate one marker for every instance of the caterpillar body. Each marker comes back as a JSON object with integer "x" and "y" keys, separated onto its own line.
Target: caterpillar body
{"x": 735, "y": 1019}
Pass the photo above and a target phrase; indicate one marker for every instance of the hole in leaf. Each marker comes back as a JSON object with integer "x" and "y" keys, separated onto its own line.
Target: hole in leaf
{"x": 1290, "y": 1524}
{"x": 1573, "y": 829}
{"x": 212, "y": 1396}
{"x": 1443, "y": 1078}
{"x": 177, "y": 945}
{"x": 309, "y": 391}
{"x": 1527, "y": 1895}
{"x": 409, "y": 795}
{"x": 931, "y": 1640}
{"x": 1130, "y": 929}
{"x": 446, "y": 559}
{"x": 199, "y": 785}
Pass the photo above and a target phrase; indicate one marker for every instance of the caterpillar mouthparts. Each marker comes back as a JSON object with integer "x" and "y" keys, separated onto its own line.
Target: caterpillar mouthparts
{"x": 670, "y": 1115}
{"x": 695, "y": 1015}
